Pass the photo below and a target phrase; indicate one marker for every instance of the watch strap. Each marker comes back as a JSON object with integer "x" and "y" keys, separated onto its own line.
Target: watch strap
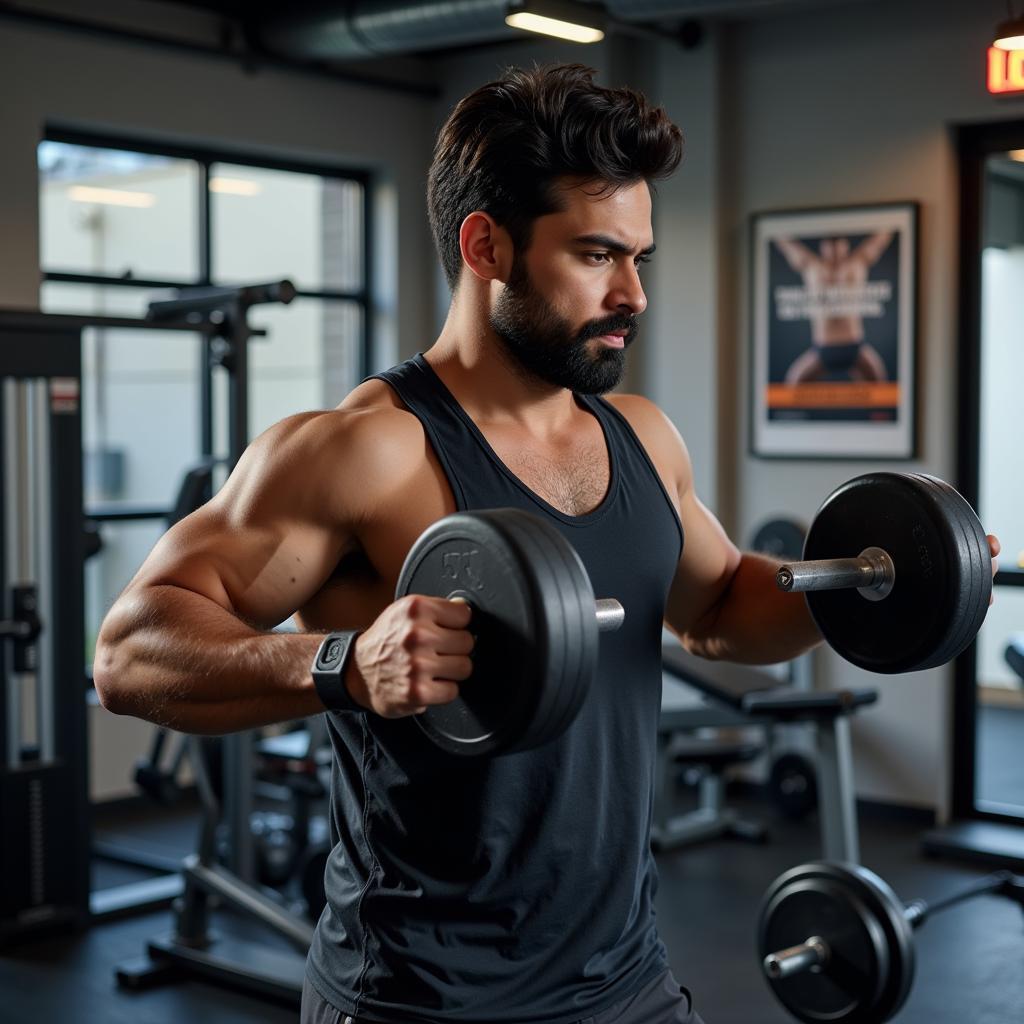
{"x": 328, "y": 671}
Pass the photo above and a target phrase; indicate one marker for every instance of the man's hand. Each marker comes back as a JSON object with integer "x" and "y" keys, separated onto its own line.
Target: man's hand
{"x": 995, "y": 547}
{"x": 413, "y": 656}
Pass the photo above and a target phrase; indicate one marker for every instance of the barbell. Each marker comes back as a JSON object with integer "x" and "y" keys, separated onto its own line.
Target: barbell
{"x": 836, "y": 943}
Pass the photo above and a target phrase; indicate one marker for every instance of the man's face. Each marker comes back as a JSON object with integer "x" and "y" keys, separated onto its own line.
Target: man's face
{"x": 569, "y": 310}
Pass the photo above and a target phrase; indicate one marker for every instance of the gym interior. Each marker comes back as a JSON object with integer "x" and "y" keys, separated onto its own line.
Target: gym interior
{"x": 213, "y": 217}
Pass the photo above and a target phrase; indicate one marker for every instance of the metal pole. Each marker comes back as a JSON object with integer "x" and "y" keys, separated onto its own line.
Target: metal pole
{"x": 41, "y": 465}
{"x": 15, "y": 497}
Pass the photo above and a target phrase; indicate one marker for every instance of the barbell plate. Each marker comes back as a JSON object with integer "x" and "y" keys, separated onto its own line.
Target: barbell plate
{"x": 470, "y": 555}
{"x": 976, "y": 541}
{"x": 870, "y": 966}
{"x": 970, "y": 564}
{"x": 921, "y": 528}
{"x": 563, "y": 694}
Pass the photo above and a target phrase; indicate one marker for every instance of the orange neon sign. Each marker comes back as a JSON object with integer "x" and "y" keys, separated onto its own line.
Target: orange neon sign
{"x": 1005, "y": 71}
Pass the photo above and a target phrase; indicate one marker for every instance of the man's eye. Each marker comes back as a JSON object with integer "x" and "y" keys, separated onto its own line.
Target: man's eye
{"x": 597, "y": 256}
{"x": 642, "y": 259}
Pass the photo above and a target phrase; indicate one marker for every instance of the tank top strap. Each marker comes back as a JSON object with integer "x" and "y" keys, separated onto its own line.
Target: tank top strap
{"x": 415, "y": 383}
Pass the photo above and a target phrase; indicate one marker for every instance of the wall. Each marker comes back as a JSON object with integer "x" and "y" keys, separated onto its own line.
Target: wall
{"x": 854, "y": 105}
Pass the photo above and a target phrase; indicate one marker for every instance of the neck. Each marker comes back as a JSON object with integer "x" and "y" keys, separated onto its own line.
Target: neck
{"x": 485, "y": 379}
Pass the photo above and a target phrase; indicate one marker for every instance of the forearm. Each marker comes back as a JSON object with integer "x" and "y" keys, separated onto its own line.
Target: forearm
{"x": 753, "y": 621}
{"x": 178, "y": 659}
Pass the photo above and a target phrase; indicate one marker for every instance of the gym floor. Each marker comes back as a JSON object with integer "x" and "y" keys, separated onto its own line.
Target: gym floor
{"x": 967, "y": 966}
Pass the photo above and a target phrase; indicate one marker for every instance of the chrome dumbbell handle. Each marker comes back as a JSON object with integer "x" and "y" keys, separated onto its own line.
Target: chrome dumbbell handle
{"x": 610, "y": 614}
{"x": 872, "y": 573}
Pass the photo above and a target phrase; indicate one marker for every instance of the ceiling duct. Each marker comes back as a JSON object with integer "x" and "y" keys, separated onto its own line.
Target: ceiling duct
{"x": 374, "y": 28}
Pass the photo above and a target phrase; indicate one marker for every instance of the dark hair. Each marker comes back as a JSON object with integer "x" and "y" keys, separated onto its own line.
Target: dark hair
{"x": 505, "y": 145}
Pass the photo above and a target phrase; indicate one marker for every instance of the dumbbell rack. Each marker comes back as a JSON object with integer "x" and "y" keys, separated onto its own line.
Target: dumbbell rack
{"x": 44, "y": 859}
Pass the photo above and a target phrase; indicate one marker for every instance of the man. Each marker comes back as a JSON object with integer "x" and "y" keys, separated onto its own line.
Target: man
{"x": 837, "y": 335}
{"x": 515, "y": 888}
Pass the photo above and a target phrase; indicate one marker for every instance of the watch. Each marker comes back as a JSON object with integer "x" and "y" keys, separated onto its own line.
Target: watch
{"x": 328, "y": 671}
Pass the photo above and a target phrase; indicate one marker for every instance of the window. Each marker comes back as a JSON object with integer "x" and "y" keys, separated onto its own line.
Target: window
{"x": 121, "y": 223}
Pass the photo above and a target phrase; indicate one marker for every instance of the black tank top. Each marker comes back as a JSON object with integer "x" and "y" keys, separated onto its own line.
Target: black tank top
{"x": 520, "y": 887}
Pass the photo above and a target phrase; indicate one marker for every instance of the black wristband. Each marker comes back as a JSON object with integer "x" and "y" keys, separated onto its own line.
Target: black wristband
{"x": 329, "y": 671}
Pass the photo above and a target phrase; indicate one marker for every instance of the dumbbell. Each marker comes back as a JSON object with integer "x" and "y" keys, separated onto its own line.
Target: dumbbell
{"x": 897, "y": 572}
{"x": 535, "y": 623}
{"x": 836, "y": 943}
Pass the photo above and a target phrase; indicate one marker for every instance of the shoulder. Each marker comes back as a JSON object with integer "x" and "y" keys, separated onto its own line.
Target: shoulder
{"x": 659, "y": 436}
{"x": 326, "y": 459}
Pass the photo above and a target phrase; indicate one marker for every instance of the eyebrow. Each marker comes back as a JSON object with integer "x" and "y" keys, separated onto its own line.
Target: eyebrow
{"x": 607, "y": 242}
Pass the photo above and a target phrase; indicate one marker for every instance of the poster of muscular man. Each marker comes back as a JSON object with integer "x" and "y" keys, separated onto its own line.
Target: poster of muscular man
{"x": 834, "y": 332}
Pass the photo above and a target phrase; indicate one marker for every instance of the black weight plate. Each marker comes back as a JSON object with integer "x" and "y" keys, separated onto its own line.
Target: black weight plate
{"x": 871, "y": 964}
{"x": 910, "y": 520}
{"x": 976, "y": 542}
{"x": 530, "y": 534}
{"x": 967, "y": 564}
{"x": 793, "y": 785}
{"x": 471, "y": 555}
{"x": 565, "y": 690}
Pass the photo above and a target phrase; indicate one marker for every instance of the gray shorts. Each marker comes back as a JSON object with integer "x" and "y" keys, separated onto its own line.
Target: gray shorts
{"x": 661, "y": 1001}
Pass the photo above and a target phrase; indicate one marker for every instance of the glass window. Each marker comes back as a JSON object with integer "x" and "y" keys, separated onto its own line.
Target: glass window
{"x": 140, "y": 414}
{"x": 117, "y": 213}
{"x": 268, "y": 225}
{"x": 309, "y": 360}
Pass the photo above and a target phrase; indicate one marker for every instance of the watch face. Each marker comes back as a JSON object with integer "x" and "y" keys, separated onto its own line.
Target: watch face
{"x": 333, "y": 653}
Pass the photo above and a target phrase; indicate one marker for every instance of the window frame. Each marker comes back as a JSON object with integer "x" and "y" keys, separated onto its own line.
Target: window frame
{"x": 205, "y": 157}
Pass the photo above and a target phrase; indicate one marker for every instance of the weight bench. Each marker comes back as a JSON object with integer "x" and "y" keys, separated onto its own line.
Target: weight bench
{"x": 747, "y": 697}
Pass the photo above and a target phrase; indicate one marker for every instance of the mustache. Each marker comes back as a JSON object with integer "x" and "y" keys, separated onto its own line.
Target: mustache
{"x": 596, "y": 328}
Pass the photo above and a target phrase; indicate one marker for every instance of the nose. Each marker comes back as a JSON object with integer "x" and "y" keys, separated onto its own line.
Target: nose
{"x": 627, "y": 294}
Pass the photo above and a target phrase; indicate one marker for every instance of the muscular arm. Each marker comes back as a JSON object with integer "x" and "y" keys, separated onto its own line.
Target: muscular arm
{"x": 189, "y": 643}
{"x": 722, "y": 604}
{"x": 797, "y": 255}
{"x": 870, "y": 250}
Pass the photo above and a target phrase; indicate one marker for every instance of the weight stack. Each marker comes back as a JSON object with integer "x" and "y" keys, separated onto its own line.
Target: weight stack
{"x": 44, "y": 811}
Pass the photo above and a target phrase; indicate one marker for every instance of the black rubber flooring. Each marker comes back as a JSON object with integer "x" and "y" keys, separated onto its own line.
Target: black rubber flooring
{"x": 970, "y": 958}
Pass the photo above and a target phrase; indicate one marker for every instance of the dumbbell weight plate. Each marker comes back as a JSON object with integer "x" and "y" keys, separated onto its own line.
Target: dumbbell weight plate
{"x": 977, "y": 594}
{"x": 932, "y": 612}
{"x": 871, "y": 964}
{"x": 564, "y": 692}
{"x": 530, "y": 659}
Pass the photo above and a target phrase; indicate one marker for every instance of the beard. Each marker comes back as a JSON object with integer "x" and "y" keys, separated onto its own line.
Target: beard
{"x": 543, "y": 346}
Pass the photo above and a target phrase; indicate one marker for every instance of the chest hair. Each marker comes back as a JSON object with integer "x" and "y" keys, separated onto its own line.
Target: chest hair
{"x": 574, "y": 481}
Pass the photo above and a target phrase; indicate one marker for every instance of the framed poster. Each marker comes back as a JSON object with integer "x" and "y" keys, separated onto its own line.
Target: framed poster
{"x": 834, "y": 299}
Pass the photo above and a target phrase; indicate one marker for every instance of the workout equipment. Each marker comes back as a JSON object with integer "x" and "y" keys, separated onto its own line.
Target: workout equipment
{"x": 897, "y": 572}
{"x": 535, "y": 622}
{"x": 44, "y": 813}
{"x": 756, "y": 699}
{"x": 792, "y": 785}
{"x": 836, "y": 943}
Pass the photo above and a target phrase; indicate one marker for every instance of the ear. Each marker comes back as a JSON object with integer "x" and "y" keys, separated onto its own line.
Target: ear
{"x": 486, "y": 247}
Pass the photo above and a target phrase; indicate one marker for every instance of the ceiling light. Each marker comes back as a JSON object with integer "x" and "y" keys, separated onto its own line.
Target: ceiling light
{"x": 110, "y": 196}
{"x": 563, "y": 20}
{"x": 1010, "y": 35}
{"x": 1016, "y": 154}
{"x": 235, "y": 186}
